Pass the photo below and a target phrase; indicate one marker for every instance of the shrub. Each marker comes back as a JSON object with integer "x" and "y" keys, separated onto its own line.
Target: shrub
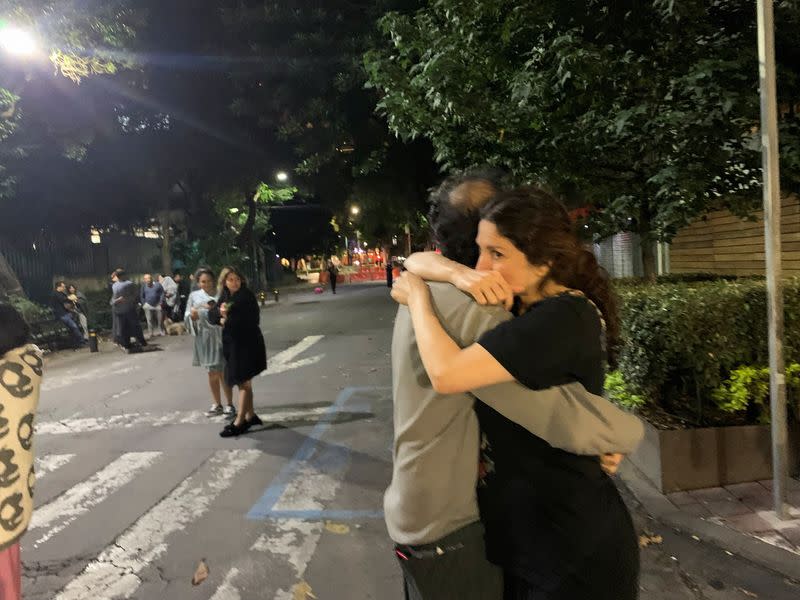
{"x": 98, "y": 313}
{"x": 619, "y": 393}
{"x": 747, "y": 389}
{"x": 30, "y": 311}
{"x": 681, "y": 341}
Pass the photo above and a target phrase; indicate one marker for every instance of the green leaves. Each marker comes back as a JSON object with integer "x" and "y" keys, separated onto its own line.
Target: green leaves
{"x": 649, "y": 122}
{"x": 685, "y": 344}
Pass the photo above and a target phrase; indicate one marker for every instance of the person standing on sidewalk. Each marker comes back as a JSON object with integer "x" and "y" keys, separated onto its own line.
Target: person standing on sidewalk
{"x": 333, "y": 273}
{"x": 151, "y": 296}
{"x": 207, "y": 349}
{"x": 124, "y": 304}
{"x": 64, "y": 310}
{"x": 170, "y": 295}
{"x": 431, "y": 506}
{"x": 20, "y": 380}
{"x": 555, "y": 522}
{"x": 242, "y": 345}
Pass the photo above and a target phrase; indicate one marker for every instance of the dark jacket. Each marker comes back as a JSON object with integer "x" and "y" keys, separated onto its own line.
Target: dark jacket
{"x": 242, "y": 341}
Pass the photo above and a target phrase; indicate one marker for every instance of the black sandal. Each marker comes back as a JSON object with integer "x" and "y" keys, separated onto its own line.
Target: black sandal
{"x": 233, "y": 430}
{"x": 254, "y": 422}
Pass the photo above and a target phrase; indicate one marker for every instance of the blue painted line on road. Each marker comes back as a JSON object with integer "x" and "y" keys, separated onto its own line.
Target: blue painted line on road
{"x": 262, "y": 509}
{"x": 321, "y": 515}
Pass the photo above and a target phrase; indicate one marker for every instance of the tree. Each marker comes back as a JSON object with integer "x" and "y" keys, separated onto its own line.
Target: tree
{"x": 300, "y": 80}
{"x": 82, "y": 37}
{"x": 647, "y": 112}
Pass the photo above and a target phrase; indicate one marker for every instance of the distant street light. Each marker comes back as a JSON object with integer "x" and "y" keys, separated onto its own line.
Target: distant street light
{"x": 354, "y": 210}
{"x": 17, "y": 42}
{"x": 282, "y": 176}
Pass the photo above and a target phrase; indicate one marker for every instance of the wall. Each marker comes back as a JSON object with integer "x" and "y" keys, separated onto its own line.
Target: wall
{"x": 725, "y": 244}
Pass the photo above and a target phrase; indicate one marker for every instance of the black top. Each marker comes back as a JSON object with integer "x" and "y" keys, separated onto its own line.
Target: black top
{"x": 57, "y": 300}
{"x": 540, "y": 503}
{"x": 242, "y": 340}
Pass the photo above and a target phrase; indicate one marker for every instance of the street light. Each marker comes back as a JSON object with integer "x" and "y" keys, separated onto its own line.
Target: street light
{"x": 354, "y": 210}
{"x": 282, "y": 176}
{"x": 17, "y": 42}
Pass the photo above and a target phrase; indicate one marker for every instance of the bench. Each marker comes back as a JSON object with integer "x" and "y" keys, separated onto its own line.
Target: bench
{"x": 51, "y": 335}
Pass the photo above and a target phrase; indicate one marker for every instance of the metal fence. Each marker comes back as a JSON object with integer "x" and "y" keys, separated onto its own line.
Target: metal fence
{"x": 37, "y": 261}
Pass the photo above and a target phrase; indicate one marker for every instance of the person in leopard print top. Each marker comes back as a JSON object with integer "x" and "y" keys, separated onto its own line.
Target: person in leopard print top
{"x": 20, "y": 380}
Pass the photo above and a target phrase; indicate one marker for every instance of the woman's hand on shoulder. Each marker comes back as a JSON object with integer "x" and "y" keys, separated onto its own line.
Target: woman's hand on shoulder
{"x": 487, "y": 287}
{"x": 407, "y": 286}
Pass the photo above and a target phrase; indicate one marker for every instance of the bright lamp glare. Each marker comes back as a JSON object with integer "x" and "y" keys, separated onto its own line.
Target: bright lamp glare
{"x": 282, "y": 176}
{"x": 17, "y": 41}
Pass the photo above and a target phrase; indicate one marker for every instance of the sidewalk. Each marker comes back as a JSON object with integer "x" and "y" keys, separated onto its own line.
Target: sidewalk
{"x": 737, "y": 518}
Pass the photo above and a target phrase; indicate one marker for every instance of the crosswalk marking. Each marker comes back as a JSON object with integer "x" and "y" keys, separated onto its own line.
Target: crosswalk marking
{"x": 121, "y": 367}
{"x": 115, "y": 572}
{"x": 282, "y": 361}
{"x": 78, "y": 500}
{"x": 130, "y": 420}
{"x": 226, "y": 591}
{"x": 51, "y": 462}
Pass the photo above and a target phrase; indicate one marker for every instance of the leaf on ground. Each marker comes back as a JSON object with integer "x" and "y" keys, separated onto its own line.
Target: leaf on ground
{"x": 200, "y": 573}
{"x": 747, "y": 593}
{"x": 302, "y": 591}
{"x": 339, "y": 528}
{"x": 647, "y": 539}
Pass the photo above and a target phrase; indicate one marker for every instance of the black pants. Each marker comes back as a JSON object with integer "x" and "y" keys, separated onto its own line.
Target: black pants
{"x": 333, "y": 283}
{"x": 452, "y": 568}
{"x": 610, "y": 572}
{"x": 129, "y": 327}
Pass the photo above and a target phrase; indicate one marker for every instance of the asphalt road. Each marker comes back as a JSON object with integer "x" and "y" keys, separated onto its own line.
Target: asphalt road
{"x": 136, "y": 487}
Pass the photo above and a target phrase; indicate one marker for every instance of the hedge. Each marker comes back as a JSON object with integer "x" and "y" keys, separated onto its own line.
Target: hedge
{"x": 682, "y": 341}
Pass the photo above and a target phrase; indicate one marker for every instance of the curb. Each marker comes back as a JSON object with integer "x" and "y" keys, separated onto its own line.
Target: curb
{"x": 766, "y": 555}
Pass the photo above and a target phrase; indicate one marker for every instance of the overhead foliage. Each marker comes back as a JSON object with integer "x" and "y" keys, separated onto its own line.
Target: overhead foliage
{"x": 646, "y": 111}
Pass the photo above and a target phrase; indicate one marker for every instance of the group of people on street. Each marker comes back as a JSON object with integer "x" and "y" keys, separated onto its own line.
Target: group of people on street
{"x": 160, "y": 298}
{"x": 503, "y": 444}
{"x": 223, "y": 316}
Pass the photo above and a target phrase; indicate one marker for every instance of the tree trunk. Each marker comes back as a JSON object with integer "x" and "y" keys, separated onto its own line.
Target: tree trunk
{"x": 646, "y": 243}
{"x": 9, "y": 283}
{"x": 166, "y": 243}
{"x": 649, "y": 259}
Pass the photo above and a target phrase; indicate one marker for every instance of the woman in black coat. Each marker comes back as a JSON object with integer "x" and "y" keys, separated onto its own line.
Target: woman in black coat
{"x": 242, "y": 345}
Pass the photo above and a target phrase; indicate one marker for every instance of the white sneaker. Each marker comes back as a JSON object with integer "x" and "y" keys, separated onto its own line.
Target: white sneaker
{"x": 228, "y": 410}
{"x": 215, "y": 409}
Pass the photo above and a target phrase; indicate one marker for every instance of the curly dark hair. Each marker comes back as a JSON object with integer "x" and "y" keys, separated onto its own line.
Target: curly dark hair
{"x": 455, "y": 212}
{"x": 540, "y": 227}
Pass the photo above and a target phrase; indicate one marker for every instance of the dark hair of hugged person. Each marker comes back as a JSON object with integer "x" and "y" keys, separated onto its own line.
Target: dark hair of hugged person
{"x": 456, "y": 210}
{"x": 540, "y": 227}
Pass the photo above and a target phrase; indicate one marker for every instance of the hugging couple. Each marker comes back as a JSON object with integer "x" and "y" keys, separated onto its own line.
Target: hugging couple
{"x": 503, "y": 444}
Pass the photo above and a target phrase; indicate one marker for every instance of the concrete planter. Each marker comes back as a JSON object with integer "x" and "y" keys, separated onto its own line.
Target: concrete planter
{"x": 689, "y": 459}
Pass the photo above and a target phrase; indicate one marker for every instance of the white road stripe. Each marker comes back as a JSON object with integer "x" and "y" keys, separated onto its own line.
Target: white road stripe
{"x": 282, "y": 361}
{"x": 51, "y": 462}
{"x": 226, "y": 591}
{"x": 274, "y": 370}
{"x": 291, "y": 541}
{"x": 81, "y": 374}
{"x": 79, "y": 499}
{"x": 115, "y": 572}
{"x": 129, "y": 420}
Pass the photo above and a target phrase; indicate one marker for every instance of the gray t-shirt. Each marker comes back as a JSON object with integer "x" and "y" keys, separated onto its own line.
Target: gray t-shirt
{"x": 436, "y": 436}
